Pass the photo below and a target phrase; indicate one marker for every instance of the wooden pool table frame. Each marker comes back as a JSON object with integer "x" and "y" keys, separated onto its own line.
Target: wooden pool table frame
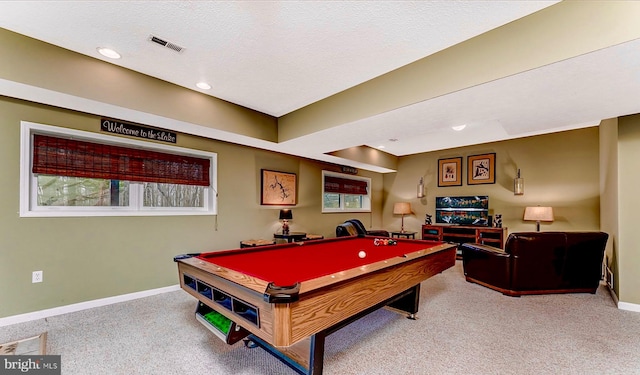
{"x": 295, "y": 332}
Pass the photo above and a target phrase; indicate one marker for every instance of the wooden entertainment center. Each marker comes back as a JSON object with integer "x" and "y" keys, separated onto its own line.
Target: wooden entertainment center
{"x": 461, "y": 234}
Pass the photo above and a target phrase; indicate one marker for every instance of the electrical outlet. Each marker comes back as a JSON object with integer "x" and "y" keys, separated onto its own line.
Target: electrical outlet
{"x": 36, "y": 277}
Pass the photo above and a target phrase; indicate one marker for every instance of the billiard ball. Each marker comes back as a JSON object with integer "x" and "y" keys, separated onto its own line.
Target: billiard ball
{"x": 362, "y": 254}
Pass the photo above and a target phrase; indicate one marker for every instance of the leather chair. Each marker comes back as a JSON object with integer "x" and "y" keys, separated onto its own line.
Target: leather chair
{"x": 538, "y": 263}
{"x": 347, "y": 229}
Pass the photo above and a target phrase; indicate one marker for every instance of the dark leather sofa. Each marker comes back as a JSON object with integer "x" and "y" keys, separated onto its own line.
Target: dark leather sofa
{"x": 538, "y": 263}
{"x": 354, "y": 227}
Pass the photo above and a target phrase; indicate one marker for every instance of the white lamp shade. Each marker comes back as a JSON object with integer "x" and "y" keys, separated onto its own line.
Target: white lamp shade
{"x": 538, "y": 213}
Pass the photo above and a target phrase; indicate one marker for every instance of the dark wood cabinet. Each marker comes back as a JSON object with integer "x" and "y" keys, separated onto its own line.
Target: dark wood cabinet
{"x": 462, "y": 234}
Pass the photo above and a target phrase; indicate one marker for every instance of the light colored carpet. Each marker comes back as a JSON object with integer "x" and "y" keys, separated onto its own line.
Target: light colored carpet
{"x": 462, "y": 328}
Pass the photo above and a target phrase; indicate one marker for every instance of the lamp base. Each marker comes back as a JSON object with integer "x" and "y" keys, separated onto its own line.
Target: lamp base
{"x": 285, "y": 227}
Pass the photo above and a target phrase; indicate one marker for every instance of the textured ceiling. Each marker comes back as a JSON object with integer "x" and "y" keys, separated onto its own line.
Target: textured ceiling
{"x": 279, "y": 56}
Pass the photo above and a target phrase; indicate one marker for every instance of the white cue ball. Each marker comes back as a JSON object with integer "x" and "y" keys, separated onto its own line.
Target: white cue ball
{"x": 362, "y": 254}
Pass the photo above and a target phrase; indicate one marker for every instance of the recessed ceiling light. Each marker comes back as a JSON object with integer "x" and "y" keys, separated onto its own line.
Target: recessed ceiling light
{"x": 459, "y": 127}
{"x": 203, "y": 85}
{"x": 381, "y": 146}
{"x": 108, "y": 52}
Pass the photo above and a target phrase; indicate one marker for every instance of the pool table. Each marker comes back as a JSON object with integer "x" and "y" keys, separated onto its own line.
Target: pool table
{"x": 287, "y": 298}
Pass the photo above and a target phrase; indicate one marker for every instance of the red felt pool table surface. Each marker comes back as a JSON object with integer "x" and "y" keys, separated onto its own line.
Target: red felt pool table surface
{"x": 287, "y": 264}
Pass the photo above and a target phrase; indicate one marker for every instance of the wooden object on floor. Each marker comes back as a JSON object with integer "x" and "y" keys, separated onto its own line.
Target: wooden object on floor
{"x": 36, "y": 345}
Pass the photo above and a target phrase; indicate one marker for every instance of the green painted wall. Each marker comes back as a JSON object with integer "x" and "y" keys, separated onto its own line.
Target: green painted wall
{"x": 559, "y": 170}
{"x": 89, "y": 258}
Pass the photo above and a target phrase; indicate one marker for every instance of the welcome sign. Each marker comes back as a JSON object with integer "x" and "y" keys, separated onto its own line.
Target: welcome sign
{"x": 118, "y": 127}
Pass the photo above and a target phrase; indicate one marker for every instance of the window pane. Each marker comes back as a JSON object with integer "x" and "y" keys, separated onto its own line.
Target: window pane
{"x": 172, "y": 195}
{"x": 352, "y": 201}
{"x": 331, "y": 200}
{"x": 65, "y": 191}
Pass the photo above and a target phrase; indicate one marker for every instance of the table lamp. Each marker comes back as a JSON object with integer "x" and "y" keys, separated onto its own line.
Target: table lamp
{"x": 538, "y": 214}
{"x": 402, "y": 208}
{"x": 285, "y": 216}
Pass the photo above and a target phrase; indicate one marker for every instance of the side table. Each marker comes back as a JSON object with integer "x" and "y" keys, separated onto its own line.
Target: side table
{"x": 254, "y": 243}
{"x": 291, "y": 236}
{"x": 404, "y": 234}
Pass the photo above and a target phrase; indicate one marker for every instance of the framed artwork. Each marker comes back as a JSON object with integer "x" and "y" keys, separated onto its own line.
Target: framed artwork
{"x": 278, "y": 188}
{"x": 481, "y": 169}
{"x": 450, "y": 172}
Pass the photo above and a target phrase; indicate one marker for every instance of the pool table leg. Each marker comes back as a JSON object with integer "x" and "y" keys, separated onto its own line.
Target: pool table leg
{"x": 408, "y": 303}
{"x": 312, "y": 349}
{"x": 316, "y": 353}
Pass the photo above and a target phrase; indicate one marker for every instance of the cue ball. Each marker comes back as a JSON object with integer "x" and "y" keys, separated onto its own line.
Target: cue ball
{"x": 362, "y": 254}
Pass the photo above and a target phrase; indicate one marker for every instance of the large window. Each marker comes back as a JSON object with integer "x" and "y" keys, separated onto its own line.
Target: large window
{"x": 345, "y": 193}
{"x": 68, "y": 172}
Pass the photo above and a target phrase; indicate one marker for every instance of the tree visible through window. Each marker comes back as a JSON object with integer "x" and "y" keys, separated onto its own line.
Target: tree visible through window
{"x": 64, "y": 191}
{"x": 172, "y": 195}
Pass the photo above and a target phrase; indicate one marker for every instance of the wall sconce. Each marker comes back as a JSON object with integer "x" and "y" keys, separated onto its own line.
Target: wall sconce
{"x": 421, "y": 188}
{"x": 538, "y": 214}
{"x": 285, "y": 216}
{"x": 518, "y": 184}
{"x": 402, "y": 208}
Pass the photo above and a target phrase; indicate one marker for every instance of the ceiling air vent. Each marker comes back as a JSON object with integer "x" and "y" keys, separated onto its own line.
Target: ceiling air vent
{"x": 166, "y": 44}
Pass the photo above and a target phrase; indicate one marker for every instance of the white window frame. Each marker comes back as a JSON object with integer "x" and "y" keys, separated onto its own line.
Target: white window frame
{"x": 28, "y": 183}
{"x": 366, "y": 199}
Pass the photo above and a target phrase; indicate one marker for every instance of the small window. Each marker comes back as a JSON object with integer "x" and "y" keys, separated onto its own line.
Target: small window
{"x": 345, "y": 193}
{"x": 67, "y": 172}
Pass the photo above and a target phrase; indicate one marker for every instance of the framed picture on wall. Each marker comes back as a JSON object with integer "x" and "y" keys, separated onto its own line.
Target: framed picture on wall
{"x": 481, "y": 169}
{"x": 278, "y": 188}
{"x": 450, "y": 172}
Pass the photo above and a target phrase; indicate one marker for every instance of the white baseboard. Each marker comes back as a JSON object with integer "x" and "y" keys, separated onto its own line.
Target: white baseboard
{"x": 629, "y": 306}
{"x": 623, "y": 305}
{"x": 15, "y": 319}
